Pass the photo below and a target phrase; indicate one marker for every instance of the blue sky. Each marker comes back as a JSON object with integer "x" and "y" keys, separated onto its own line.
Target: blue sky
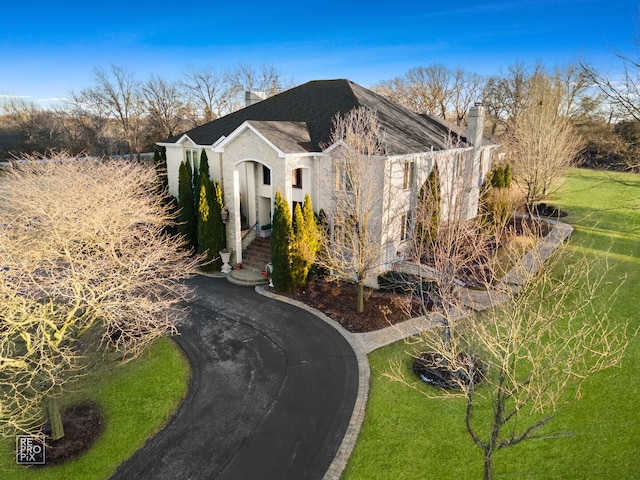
{"x": 50, "y": 48}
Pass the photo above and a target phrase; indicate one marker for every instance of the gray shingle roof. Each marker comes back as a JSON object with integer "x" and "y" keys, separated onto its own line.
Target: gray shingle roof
{"x": 316, "y": 104}
{"x": 288, "y": 137}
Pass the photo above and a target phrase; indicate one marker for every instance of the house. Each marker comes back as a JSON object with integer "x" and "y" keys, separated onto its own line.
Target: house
{"x": 282, "y": 143}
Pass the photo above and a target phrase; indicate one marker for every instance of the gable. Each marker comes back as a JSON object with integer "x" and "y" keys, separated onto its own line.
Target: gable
{"x": 283, "y": 137}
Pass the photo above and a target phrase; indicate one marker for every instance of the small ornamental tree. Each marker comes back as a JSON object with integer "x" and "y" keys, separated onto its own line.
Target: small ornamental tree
{"x": 91, "y": 257}
{"x": 352, "y": 250}
{"x": 501, "y": 177}
{"x": 281, "y": 237}
{"x": 508, "y": 176}
{"x": 312, "y": 232}
{"x": 544, "y": 143}
{"x": 532, "y": 351}
{"x": 187, "y": 223}
{"x": 497, "y": 177}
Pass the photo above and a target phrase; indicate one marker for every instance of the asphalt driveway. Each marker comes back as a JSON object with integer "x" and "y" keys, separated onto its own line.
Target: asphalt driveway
{"x": 271, "y": 396}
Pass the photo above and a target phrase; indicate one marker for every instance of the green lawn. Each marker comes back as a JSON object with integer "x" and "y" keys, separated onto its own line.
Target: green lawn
{"x": 137, "y": 400}
{"x": 408, "y": 436}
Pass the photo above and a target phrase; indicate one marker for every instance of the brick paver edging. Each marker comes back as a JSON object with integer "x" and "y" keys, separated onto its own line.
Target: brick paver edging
{"x": 357, "y": 416}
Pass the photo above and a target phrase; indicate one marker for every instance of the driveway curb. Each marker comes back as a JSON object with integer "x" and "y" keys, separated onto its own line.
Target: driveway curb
{"x": 353, "y": 429}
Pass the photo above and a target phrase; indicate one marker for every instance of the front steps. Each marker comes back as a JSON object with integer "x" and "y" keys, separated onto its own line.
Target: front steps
{"x": 254, "y": 261}
{"x": 257, "y": 255}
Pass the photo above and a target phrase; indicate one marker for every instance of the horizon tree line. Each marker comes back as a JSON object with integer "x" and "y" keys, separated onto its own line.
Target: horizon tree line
{"x": 120, "y": 114}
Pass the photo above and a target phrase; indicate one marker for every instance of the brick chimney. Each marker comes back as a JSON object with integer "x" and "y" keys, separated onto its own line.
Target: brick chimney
{"x": 251, "y": 98}
{"x": 475, "y": 125}
{"x": 473, "y": 170}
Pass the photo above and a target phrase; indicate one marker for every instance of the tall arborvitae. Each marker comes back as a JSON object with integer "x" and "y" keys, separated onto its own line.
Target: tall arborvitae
{"x": 211, "y": 230}
{"x": 205, "y": 223}
{"x": 508, "y": 176}
{"x": 204, "y": 165}
{"x": 157, "y": 163}
{"x": 299, "y": 266}
{"x": 312, "y": 231}
{"x": 187, "y": 223}
{"x": 306, "y": 243}
{"x": 218, "y": 233}
{"x": 281, "y": 237}
{"x": 160, "y": 164}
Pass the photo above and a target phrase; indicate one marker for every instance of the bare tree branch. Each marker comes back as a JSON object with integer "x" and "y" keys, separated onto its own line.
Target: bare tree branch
{"x": 82, "y": 247}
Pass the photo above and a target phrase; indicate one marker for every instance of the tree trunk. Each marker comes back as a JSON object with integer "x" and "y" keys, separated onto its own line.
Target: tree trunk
{"x": 55, "y": 417}
{"x": 488, "y": 465}
{"x": 360, "y": 296}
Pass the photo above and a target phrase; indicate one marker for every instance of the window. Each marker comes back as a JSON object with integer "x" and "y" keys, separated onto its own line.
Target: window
{"x": 404, "y": 227}
{"x": 459, "y": 164}
{"x": 345, "y": 229}
{"x": 343, "y": 178}
{"x": 338, "y": 233}
{"x": 191, "y": 156}
{"x": 266, "y": 175}
{"x": 407, "y": 181}
{"x": 296, "y": 178}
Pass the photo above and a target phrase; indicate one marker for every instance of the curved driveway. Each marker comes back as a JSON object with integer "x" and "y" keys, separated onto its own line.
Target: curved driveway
{"x": 271, "y": 396}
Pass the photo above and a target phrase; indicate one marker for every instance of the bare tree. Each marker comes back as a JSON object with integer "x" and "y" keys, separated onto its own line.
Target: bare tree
{"x": 622, "y": 92}
{"x": 435, "y": 90}
{"x": 82, "y": 249}
{"x": 399, "y": 91}
{"x": 543, "y": 143}
{"x": 425, "y": 90}
{"x": 95, "y": 127}
{"x": 505, "y": 96}
{"x": 351, "y": 249}
{"x": 38, "y": 129}
{"x": 431, "y": 87}
{"x": 546, "y": 331}
{"x": 265, "y": 78}
{"x": 209, "y": 92}
{"x": 577, "y": 93}
{"x": 117, "y": 96}
{"x": 165, "y": 106}
{"x": 466, "y": 90}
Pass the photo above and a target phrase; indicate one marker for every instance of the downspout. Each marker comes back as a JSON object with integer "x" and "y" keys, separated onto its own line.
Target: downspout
{"x": 221, "y": 171}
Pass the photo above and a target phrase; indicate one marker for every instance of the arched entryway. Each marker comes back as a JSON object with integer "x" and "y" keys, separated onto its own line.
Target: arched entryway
{"x": 252, "y": 203}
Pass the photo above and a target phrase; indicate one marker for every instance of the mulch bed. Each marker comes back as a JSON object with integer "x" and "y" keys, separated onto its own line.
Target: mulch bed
{"x": 83, "y": 424}
{"x": 381, "y": 308}
{"x": 549, "y": 211}
{"x": 338, "y": 301}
